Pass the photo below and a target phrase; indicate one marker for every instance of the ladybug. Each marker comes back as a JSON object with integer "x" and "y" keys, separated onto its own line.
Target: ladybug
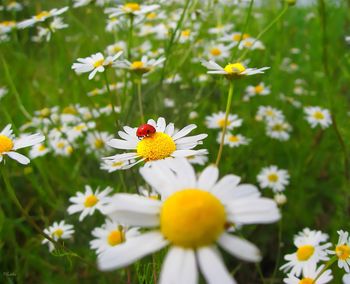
{"x": 145, "y": 130}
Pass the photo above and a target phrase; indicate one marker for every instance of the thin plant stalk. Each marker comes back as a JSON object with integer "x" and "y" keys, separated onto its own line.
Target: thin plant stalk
{"x": 111, "y": 98}
{"x": 139, "y": 98}
{"x": 328, "y": 264}
{"x": 228, "y": 107}
{"x": 130, "y": 35}
{"x": 268, "y": 27}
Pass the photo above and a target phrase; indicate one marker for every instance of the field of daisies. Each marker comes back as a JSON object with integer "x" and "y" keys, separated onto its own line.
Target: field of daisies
{"x": 175, "y": 142}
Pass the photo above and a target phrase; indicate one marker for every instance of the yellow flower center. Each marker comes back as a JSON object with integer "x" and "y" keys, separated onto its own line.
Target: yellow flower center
{"x": 186, "y": 33}
{"x": 151, "y": 16}
{"x": 132, "y": 6}
{"x": 270, "y": 113}
{"x": 233, "y": 138}
{"x": 60, "y": 145}
{"x": 57, "y": 233}
{"x": 99, "y": 143}
{"x": 42, "y": 15}
{"x": 69, "y": 110}
{"x": 259, "y": 89}
{"x": 117, "y": 164}
{"x": 215, "y": 51}
{"x": 192, "y": 218}
{"x": 278, "y": 127}
{"x": 234, "y": 68}
{"x": 70, "y": 150}
{"x": 272, "y": 177}
{"x": 7, "y": 23}
{"x": 305, "y": 252}
{"x": 343, "y": 251}
{"x": 90, "y": 201}
{"x": 115, "y": 238}
{"x": 79, "y": 127}
{"x": 99, "y": 63}
{"x": 306, "y": 281}
{"x": 318, "y": 115}
{"x": 156, "y": 147}
{"x": 221, "y": 122}
{"x": 6, "y": 144}
{"x": 237, "y": 37}
{"x": 137, "y": 65}
{"x": 41, "y": 148}
{"x": 248, "y": 43}
{"x": 45, "y": 112}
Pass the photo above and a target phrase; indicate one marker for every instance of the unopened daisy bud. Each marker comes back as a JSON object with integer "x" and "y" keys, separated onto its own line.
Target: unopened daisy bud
{"x": 280, "y": 199}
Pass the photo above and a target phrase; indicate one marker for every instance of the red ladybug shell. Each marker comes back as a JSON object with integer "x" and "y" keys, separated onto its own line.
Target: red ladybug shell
{"x": 145, "y": 130}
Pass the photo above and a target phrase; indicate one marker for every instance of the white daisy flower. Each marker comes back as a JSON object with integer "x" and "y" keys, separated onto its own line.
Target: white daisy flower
{"x": 130, "y": 8}
{"x": 112, "y": 166}
{"x": 61, "y": 146}
{"x": 219, "y": 51}
{"x": 309, "y": 252}
{"x": 58, "y": 231}
{"x": 233, "y": 140}
{"x": 258, "y": 90}
{"x": 142, "y": 66}
{"x": 268, "y": 113}
{"x": 231, "y": 70}
{"x": 220, "y": 29}
{"x": 38, "y": 150}
{"x": 9, "y": 144}
{"x": 97, "y": 141}
{"x": 235, "y": 37}
{"x": 191, "y": 218}
{"x": 165, "y": 142}
{"x": 342, "y": 251}
{"x": 251, "y": 43}
{"x": 217, "y": 121}
{"x": 278, "y": 129}
{"x": 186, "y": 35}
{"x": 318, "y": 116}
{"x": 41, "y": 17}
{"x": 94, "y": 63}
{"x": 14, "y": 6}
{"x": 89, "y": 201}
{"x": 114, "y": 48}
{"x": 309, "y": 277}
{"x": 274, "y": 178}
{"x": 313, "y": 234}
{"x": 110, "y": 235}
{"x": 7, "y": 26}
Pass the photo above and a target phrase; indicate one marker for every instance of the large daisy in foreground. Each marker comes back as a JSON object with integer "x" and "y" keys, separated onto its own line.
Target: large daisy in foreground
{"x": 192, "y": 216}
{"x": 158, "y": 141}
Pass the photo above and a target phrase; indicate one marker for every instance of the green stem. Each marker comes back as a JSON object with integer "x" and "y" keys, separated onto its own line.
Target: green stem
{"x": 111, "y": 98}
{"x": 14, "y": 90}
{"x": 172, "y": 39}
{"x": 130, "y": 36}
{"x": 250, "y": 8}
{"x": 228, "y": 107}
{"x": 258, "y": 268}
{"x": 269, "y": 26}
{"x": 328, "y": 264}
{"x": 279, "y": 240}
{"x": 139, "y": 97}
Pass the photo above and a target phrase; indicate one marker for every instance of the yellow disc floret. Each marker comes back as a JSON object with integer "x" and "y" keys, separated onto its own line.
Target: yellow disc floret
{"x": 343, "y": 252}
{"x": 305, "y": 252}
{"x": 215, "y": 51}
{"x": 99, "y": 63}
{"x": 42, "y": 15}
{"x": 233, "y": 138}
{"x": 115, "y": 237}
{"x": 306, "y": 281}
{"x": 156, "y": 147}
{"x": 132, "y": 6}
{"x": 234, "y": 68}
{"x": 221, "y": 122}
{"x": 272, "y": 177}
{"x": 192, "y": 218}
{"x": 318, "y": 115}
{"x": 259, "y": 89}
{"x": 90, "y": 201}
{"x": 57, "y": 233}
{"x": 6, "y": 144}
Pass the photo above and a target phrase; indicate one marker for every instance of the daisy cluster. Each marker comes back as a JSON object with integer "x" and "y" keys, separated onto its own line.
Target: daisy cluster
{"x": 314, "y": 256}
